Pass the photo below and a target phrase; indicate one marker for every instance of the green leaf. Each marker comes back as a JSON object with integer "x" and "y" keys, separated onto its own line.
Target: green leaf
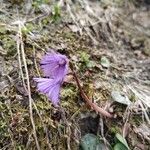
{"x": 91, "y": 64}
{"x": 120, "y": 146}
{"x": 118, "y": 97}
{"x": 91, "y": 142}
{"x": 122, "y": 140}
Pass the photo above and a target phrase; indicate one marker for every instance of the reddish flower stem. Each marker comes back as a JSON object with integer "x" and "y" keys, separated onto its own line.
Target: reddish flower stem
{"x": 85, "y": 97}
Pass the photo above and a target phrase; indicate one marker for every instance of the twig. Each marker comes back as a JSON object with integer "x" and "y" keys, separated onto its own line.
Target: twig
{"x": 89, "y": 102}
{"x": 20, "y": 64}
{"x": 28, "y": 85}
{"x": 19, "y": 58}
{"x": 35, "y": 63}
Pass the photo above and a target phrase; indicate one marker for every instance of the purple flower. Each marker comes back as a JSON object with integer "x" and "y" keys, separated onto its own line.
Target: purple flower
{"x": 55, "y": 67}
{"x": 50, "y": 87}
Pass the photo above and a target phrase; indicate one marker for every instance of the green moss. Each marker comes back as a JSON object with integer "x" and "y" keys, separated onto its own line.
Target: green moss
{"x": 136, "y": 120}
{"x": 46, "y": 21}
{"x": 85, "y": 58}
{"x": 56, "y": 13}
{"x": 69, "y": 35}
{"x": 68, "y": 92}
{"x": 37, "y": 3}
{"x": 3, "y": 30}
{"x": 9, "y": 45}
{"x": 28, "y": 28}
{"x": 132, "y": 97}
{"x": 114, "y": 129}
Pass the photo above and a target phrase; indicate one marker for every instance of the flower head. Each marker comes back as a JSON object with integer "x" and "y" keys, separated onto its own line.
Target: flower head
{"x": 49, "y": 87}
{"x": 55, "y": 66}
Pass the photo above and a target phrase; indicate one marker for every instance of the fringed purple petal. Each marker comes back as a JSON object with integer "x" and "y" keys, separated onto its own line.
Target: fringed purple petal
{"x": 60, "y": 73}
{"x": 44, "y": 84}
{"x": 54, "y": 65}
{"x": 49, "y": 87}
{"x": 54, "y": 94}
{"x": 49, "y": 69}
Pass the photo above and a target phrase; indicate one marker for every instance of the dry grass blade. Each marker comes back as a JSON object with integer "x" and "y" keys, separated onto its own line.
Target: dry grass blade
{"x": 73, "y": 18}
{"x": 20, "y": 42}
{"x": 20, "y": 63}
{"x": 143, "y": 98}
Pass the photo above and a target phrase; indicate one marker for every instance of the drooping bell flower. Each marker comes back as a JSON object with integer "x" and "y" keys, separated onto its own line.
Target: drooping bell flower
{"x": 55, "y": 67}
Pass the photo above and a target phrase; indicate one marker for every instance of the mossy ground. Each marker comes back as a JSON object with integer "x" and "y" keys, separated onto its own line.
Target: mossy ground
{"x": 61, "y": 128}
